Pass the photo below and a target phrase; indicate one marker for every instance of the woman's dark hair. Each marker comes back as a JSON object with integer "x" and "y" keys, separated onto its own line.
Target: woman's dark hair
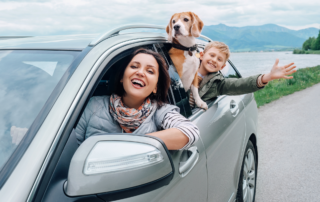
{"x": 163, "y": 81}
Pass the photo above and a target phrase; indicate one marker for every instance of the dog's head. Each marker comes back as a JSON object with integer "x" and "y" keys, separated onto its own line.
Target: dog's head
{"x": 184, "y": 24}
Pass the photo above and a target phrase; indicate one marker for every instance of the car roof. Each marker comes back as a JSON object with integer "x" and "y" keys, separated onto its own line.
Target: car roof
{"x": 63, "y": 42}
{"x": 71, "y": 42}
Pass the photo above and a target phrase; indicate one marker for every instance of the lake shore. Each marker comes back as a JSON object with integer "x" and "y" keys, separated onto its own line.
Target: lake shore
{"x": 298, "y": 51}
{"x": 276, "y": 89}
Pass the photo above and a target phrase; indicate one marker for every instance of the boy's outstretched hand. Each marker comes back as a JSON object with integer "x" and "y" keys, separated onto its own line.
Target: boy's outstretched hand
{"x": 278, "y": 72}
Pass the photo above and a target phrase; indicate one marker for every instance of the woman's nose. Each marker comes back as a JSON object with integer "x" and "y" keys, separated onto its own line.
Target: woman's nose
{"x": 140, "y": 72}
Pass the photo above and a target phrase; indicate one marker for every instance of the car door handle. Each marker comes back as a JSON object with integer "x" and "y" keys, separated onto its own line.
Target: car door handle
{"x": 186, "y": 167}
{"x": 234, "y": 108}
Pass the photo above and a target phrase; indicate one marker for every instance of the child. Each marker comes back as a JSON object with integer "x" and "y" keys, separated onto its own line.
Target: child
{"x": 212, "y": 83}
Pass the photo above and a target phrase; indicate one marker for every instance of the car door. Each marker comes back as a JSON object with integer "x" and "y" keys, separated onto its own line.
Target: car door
{"x": 223, "y": 136}
{"x": 222, "y": 129}
{"x": 190, "y": 185}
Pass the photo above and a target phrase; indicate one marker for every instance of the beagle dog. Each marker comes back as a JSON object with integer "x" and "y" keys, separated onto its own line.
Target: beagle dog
{"x": 182, "y": 31}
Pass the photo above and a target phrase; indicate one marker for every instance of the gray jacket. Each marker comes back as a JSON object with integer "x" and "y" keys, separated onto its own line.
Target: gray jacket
{"x": 96, "y": 119}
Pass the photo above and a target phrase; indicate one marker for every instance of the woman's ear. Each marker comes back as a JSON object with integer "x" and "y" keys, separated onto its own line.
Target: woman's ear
{"x": 121, "y": 80}
{"x": 197, "y": 25}
{"x": 169, "y": 30}
{"x": 155, "y": 90}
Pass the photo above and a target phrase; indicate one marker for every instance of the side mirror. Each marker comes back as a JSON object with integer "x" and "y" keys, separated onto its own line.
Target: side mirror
{"x": 119, "y": 166}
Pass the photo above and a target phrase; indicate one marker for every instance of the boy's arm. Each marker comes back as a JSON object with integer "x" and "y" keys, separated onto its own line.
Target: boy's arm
{"x": 254, "y": 83}
{"x": 238, "y": 86}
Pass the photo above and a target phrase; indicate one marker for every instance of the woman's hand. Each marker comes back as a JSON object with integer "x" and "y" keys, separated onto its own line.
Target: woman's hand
{"x": 278, "y": 72}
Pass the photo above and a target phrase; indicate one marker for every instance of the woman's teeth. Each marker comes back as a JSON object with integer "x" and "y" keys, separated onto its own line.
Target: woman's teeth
{"x": 138, "y": 82}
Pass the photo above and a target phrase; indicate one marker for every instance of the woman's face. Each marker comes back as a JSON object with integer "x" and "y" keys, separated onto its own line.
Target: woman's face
{"x": 140, "y": 77}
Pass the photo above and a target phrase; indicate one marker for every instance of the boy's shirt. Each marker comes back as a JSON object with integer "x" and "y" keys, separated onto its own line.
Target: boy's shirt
{"x": 215, "y": 84}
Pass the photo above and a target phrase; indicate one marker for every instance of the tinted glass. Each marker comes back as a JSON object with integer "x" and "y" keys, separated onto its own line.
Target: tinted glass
{"x": 27, "y": 79}
{"x": 229, "y": 72}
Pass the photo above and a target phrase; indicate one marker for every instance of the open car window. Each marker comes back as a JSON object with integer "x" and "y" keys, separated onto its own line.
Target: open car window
{"x": 177, "y": 91}
{"x": 229, "y": 72}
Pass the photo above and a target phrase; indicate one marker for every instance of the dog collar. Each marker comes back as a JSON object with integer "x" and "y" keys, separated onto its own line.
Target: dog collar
{"x": 189, "y": 49}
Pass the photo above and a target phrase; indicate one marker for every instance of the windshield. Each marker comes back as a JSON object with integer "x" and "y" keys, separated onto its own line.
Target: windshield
{"x": 27, "y": 78}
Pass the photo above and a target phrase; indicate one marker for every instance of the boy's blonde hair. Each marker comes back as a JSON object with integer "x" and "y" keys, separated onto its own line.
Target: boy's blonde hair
{"x": 222, "y": 47}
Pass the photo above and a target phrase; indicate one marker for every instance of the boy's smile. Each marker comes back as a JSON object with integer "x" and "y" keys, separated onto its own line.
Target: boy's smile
{"x": 212, "y": 61}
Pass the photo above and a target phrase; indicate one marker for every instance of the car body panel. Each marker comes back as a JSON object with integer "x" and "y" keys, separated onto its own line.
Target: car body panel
{"x": 69, "y": 42}
{"x": 221, "y": 134}
{"x": 212, "y": 145}
{"x": 37, "y": 151}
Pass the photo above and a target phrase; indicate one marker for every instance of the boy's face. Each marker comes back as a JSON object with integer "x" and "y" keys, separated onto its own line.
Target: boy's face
{"x": 213, "y": 60}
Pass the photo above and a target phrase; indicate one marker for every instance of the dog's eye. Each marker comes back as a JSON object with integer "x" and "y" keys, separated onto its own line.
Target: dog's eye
{"x": 173, "y": 21}
{"x": 186, "y": 19}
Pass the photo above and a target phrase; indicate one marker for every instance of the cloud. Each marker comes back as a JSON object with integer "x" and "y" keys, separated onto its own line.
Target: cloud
{"x": 38, "y": 17}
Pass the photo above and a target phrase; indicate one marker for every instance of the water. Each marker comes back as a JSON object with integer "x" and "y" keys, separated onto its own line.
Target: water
{"x": 261, "y": 62}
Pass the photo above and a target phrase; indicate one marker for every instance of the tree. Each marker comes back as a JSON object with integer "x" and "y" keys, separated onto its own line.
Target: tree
{"x": 316, "y": 43}
{"x": 308, "y": 43}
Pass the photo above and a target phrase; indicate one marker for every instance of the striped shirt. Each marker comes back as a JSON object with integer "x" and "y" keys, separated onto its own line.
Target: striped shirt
{"x": 174, "y": 119}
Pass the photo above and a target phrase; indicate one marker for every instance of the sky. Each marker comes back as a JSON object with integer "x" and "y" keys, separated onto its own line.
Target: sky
{"x": 58, "y": 17}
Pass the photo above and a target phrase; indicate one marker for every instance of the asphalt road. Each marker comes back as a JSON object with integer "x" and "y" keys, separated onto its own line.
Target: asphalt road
{"x": 289, "y": 148}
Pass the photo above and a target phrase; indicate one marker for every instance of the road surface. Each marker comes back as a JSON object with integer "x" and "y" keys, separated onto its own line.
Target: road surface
{"x": 289, "y": 148}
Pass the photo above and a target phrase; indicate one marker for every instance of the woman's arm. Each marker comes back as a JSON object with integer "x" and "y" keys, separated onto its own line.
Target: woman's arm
{"x": 173, "y": 138}
{"x": 178, "y": 133}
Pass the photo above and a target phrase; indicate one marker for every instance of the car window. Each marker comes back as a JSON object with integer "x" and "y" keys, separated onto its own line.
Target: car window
{"x": 229, "y": 72}
{"x": 27, "y": 79}
{"x": 180, "y": 97}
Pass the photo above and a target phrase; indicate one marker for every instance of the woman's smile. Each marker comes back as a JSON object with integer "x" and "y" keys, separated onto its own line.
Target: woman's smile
{"x": 138, "y": 83}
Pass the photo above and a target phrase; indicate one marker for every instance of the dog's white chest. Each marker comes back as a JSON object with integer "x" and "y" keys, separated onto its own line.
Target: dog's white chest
{"x": 190, "y": 67}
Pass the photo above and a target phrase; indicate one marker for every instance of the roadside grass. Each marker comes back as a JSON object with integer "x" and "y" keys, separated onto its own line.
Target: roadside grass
{"x": 302, "y": 79}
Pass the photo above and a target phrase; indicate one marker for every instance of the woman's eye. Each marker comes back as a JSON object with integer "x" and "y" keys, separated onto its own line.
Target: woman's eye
{"x": 186, "y": 19}
{"x": 133, "y": 67}
{"x": 173, "y": 21}
{"x": 150, "y": 71}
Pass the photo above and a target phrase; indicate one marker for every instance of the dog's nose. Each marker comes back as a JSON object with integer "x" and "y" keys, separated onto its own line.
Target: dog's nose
{"x": 176, "y": 27}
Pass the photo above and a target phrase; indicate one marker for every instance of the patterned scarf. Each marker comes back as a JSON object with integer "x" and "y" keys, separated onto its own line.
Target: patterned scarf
{"x": 129, "y": 118}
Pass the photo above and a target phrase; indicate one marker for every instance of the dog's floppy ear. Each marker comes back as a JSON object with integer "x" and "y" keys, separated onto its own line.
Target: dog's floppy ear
{"x": 197, "y": 25}
{"x": 169, "y": 29}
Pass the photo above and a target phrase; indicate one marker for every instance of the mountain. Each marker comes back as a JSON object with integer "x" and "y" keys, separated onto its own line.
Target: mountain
{"x": 257, "y": 38}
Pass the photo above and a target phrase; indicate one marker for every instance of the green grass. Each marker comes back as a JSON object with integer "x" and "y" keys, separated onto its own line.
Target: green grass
{"x": 299, "y": 51}
{"x": 302, "y": 79}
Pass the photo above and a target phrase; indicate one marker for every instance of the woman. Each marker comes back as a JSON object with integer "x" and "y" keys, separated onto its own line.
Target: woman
{"x": 138, "y": 105}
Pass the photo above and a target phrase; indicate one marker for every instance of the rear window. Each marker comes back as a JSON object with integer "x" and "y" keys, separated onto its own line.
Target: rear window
{"x": 27, "y": 78}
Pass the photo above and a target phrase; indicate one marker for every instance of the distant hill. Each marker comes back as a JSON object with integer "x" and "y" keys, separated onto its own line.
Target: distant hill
{"x": 257, "y": 38}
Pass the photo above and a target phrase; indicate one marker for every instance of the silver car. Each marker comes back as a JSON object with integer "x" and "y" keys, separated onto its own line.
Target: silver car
{"x": 45, "y": 84}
